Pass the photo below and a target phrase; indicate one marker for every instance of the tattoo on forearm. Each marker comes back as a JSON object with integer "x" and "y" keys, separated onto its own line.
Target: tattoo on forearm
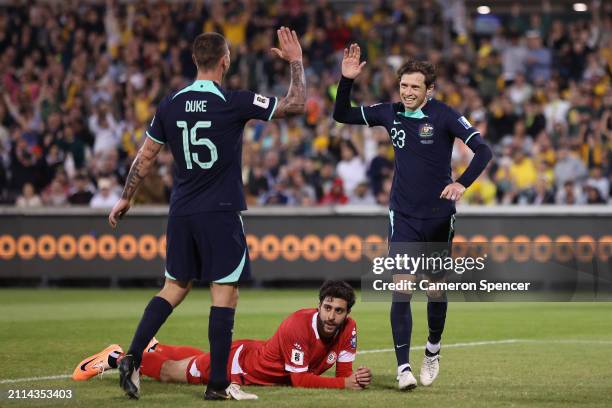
{"x": 140, "y": 169}
{"x": 133, "y": 179}
{"x": 295, "y": 101}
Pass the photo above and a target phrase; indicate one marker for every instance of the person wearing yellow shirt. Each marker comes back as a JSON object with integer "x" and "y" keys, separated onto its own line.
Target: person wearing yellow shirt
{"x": 522, "y": 170}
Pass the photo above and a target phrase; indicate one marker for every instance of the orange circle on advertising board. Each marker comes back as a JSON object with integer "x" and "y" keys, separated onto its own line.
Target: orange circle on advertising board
{"x": 564, "y": 248}
{"x": 107, "y": 247}
{"x": 67, "y": 246}
{"x": 86, "y": 246}
{"x": 47, "y": 247}
{"x": 147, "y": 247}
{"x": 521, "y": 248}
{"x": 270, "y": 247}
{"x": 352, "y": 248}
{"x": 585, "y": 248}
{"x": 8, "y": 247}
{"x": 311, "y": 248}
{"x": 500, "y": 248}
{"x": 374, "y": 247}
{"x": 477, "y": 246}
{"x": 253, "y": 245}
{"x": 460, "y": 246}
{"x": 26, "y": 247}
{"x": 127, "y": 247}
{"x": 542, "y": 248}
{"x": 604, "y": 249}
{"x": 290, "y": 247}
{"x": 161, "y": 246}
{"x": 332, "y": 247}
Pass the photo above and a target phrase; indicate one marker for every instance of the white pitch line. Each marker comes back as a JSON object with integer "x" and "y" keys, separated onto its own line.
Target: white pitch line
{"x": 453, "y": 345}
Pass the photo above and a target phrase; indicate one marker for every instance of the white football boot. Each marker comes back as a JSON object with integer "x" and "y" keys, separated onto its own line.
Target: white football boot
{"x": 430, "y": 369}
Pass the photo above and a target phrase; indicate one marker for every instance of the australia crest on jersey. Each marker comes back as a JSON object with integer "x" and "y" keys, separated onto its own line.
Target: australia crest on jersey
{"x": 426, "y": 132}
{"x": 331, "y": 358}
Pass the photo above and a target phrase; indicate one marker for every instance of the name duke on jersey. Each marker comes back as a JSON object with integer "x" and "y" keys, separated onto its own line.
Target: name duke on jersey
{"x": 195, "y": 106}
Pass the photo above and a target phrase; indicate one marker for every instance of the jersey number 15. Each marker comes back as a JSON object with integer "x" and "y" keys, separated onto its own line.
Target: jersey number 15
{"x": 190, "y": 137}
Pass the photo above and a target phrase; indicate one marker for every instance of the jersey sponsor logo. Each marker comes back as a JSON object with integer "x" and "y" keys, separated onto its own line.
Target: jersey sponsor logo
{"x": 297, "y": 357}
{"x": 466, "y": 124}
{"x": 261, "y": 101}
{"x": 331, "y": 358}
{"x": 354, "y": 339}
{"x": 426, "y": 132}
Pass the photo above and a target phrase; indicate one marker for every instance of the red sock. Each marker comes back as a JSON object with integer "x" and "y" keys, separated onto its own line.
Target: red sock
{"x": 176, "y": 353}
{"x": 151, "y": 364}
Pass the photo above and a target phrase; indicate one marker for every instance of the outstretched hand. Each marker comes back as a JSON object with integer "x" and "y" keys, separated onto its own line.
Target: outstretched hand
{"x": 351, "y": 67}
{"x": 290, "y": 49}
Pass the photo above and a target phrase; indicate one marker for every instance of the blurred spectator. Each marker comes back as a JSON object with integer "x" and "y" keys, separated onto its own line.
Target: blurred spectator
{"x": 81, "y": 193}
{"x": 105, "y": 197}
{"x": 593, "y": 196}
{"x": 362, "y": 195}
{"x": 538, "y": 58}
{"x": 598, "y": 181}
{"x": 570, "y": 194}
{"x": 79, "y": 84}
{"x": 351, "y": 169}
{"x": 335, "y": 195}
{"x": 568, "y": 168}
{"x": 28, "y": 197}
{"x": 380, "y": 168}
{"x": 55, "y": 195}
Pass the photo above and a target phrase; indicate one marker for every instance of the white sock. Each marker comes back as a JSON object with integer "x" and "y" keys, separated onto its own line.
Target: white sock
{"x": 433, "y": 348}
{"x": 402, "y": 368}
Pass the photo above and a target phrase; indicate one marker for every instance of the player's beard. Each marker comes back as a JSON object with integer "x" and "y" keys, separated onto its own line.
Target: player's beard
{"x": 322, "y": 325}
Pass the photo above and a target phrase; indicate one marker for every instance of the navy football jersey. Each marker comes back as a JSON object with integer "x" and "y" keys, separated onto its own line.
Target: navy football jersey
{"x": 423, "y": 143}
{"x": 203, "y": 126}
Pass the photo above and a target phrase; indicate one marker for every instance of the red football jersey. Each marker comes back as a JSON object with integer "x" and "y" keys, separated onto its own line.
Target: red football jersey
{"x": 295, "y": 348}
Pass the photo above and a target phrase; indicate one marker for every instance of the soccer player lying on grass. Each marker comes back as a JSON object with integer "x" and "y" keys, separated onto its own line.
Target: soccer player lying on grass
{"x": 305, "y": 345}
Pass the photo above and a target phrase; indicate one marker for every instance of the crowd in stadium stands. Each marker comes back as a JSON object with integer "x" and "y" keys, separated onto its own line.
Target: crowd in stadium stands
{"x": 80, "y": 81}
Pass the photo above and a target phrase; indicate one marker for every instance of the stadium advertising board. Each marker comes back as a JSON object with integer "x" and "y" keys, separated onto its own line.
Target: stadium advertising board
{"x": 283, "y": 247}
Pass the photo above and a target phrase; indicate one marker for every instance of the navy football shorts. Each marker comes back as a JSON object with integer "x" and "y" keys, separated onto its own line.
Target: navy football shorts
{"x": 207, "y": 247}
{"x": 415, "y": 237}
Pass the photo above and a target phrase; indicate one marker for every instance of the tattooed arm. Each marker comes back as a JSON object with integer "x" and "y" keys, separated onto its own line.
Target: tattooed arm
{"x": 140, "y": 168}
{"x": 291, "y": 51}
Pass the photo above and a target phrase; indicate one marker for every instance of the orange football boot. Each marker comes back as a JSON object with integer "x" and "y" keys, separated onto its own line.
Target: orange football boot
{"x": 96, "y": 364}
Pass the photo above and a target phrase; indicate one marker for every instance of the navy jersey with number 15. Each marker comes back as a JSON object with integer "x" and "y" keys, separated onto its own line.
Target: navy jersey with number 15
{"x": 203, "y": 126}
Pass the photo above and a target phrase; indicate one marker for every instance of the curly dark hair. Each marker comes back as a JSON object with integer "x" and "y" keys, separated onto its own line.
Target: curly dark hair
{"x": 337, "y": 289}
{"x": 424, "y": 67}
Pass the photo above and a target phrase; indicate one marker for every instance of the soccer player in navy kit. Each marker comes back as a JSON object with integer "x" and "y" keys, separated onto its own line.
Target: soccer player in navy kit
{"x": 203, "y": 125}
{"x": 423, "y": 194}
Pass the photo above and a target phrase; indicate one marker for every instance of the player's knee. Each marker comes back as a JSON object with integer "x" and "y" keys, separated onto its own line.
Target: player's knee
{"x": 436, "y": 295}
{"x": 224, "y": 295}
{"x": 174, "y": 291}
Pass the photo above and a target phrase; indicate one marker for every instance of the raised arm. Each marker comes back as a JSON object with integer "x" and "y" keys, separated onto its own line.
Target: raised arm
{"x": 351, "y": 68}
{"x": 140, "y": 168}
{"x": 291, "y": 51}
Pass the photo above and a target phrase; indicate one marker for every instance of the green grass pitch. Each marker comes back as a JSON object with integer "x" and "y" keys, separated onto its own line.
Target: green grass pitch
{"x": 493, "y": 354}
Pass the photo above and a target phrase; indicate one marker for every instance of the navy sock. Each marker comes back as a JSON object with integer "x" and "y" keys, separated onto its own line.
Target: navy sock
{"x": 401, "y": 327}
{"x": 220, "y": 326}
{"x": 155, "y": 314}
{"x": 436, "y": 317}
